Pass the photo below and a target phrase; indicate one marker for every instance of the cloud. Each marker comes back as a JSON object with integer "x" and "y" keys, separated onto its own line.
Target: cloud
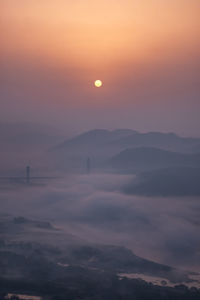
{"x": 93, "y": 208}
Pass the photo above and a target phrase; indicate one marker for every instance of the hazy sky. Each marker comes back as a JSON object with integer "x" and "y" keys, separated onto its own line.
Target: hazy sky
{"x": 146, "y": 52}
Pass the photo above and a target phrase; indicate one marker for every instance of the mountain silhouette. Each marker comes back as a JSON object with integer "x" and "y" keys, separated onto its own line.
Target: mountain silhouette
{"x": 143, "y": 158}
{"x": 181, "y": 181}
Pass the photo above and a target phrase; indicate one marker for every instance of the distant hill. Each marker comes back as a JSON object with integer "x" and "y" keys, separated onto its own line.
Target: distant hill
{"x": 98, "y": 144}
{"x": 91, "y": 140}
{"x": 123, "y": 138}
{"x": 168, "y": 141}
{"x": 182, "y": 181}
{"x": 101, "y": 144}
{"x": 142, "y": 158}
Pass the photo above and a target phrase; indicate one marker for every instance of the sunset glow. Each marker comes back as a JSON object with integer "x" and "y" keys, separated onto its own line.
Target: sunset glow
{"x": 94, "y": 35}
{"x": 54, "y": 50}
{"x": 100, "y": 149}
{"x": 98, "y": 83}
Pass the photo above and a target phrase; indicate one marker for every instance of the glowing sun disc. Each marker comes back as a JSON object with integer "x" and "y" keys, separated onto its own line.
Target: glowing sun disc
{"x": 98, "y": 83}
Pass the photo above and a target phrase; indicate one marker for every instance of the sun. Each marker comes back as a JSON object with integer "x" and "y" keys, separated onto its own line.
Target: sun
{"x": 98, "y": 83}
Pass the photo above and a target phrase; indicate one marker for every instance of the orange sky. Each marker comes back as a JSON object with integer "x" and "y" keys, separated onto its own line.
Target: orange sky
{"x": 126, "y": 43}
{"x": 97, "y": 34}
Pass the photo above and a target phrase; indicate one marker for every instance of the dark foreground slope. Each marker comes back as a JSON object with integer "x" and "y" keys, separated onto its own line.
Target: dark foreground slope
{"x": 91, "y": 285}
{"x": 25, "y": 242}
{"x": 54, "y": 265}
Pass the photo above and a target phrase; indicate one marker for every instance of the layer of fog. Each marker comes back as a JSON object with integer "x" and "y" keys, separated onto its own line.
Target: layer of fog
{"x": 92, "y": 207}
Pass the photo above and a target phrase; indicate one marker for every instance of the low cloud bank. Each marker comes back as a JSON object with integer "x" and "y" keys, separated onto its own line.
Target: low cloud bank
{"x": 92, "y": 207}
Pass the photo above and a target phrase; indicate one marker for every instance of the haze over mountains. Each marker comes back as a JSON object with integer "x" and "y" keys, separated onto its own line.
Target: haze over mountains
{"x": 126, "y": 150}
{"x": 134, "y": 213}
{"x": 144, "y": 158}
{"x": 104, "y": 202}
{"x": 123, "y": 151}
{"x": 126, "y": 138}
{"x": 174, "y": 181}
{"x": 21, "y": 135}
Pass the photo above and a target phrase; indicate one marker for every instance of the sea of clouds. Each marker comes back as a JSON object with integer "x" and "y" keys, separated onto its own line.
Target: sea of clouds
{"x": 93, "y": 208}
